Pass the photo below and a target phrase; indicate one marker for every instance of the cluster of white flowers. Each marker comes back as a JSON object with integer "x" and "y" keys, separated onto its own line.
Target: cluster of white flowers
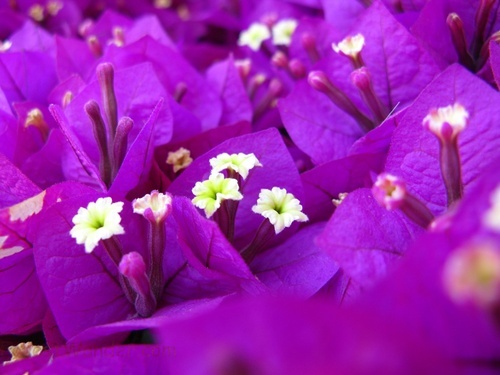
{"x": 281, "y": 32}
{"x": 277, "y": 205}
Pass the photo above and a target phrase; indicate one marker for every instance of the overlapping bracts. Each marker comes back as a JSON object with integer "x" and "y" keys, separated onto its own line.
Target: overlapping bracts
{"x": 268, "y": 187}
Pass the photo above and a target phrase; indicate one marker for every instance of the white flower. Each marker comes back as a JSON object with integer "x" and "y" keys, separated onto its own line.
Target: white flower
{"x": 210, "y": 193}
{"x": 239, "y": 163}
{"x": 451, "y": 119}
{"x": 254, "y": 36}
{"x": 99, "y": 221}
{"x": 280, "y": 207}
{"x": 283, "y": 31}
{"x": 350, "y": 46}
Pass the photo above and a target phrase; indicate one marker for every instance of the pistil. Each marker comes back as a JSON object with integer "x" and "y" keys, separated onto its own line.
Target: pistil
{"x": 457, "y": 31}
{"x": 361, "y": 78}
{"x": 133, "y": 268}
{"x": 319, "y": 81}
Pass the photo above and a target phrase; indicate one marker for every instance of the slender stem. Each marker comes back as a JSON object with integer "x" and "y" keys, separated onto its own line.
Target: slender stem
{"x": 451, "y": 170}
{"x": 157, "y": 240}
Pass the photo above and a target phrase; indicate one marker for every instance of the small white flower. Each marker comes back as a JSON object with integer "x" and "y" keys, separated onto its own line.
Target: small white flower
{"x": 155, "y": 206}
{"x": 283, "y": 32}
{"x": 491, "y": 218}
{"x": 280, "y": 207}
{"x": 239, "y": 163}
{"x": 254, "y": 36}
{"x": 210, "y": 193}
{"x": 446, "y": 122}
{"x": 350, "y": 46}
{"x": 99, "y": 221}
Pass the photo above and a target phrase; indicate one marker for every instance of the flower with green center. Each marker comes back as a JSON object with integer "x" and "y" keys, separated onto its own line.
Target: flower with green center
{"x": 99, "y": 221}
{"x": 280, "y": 207}
{"x": 283, "y": 32}
{"x": 209, "y": 194}
{"x": 239, "y": 163}
{"x": 254, "y": 36}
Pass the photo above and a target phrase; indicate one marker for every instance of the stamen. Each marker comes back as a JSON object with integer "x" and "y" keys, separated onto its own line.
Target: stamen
{"x": 244, "y": 66}
{"x": 120, "y": 143}
{"x": 351, "y": 47}
{"x": 105, "y": 76}
{"x": 35, "y": 118}
{"x": 472, "y": 274}
{"x": 118, "y": 36}
{"x": 94, "y": 46}
{"x": 482, "y": 16}
{"x": 309, "y": 43}
{"x": 179, "y": 159}
{"x": 390, "y": 192}
{"x": 99, "y": 130}
{"x": 283, "y": 31}
{"x": 85, "y": 27}
{"x": 254, "y": 36}
{"x": 361, "y": 78}
{"x": 180, "y": 91}
{"x": 484, "y": 55}
{"x": 319, "y": 81}
{"x": 132, "y": 266}
{"x": 255, "y": 82}
{"x": 280, "y": 60}
{"x": 99, "y": 221}
{"x": 297, "y": 69}
{"x": 446, "y": 123}
{"x": 457, "y": 31}
{"x": 67, "y": 98}
{"x": 274, "y": 90}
